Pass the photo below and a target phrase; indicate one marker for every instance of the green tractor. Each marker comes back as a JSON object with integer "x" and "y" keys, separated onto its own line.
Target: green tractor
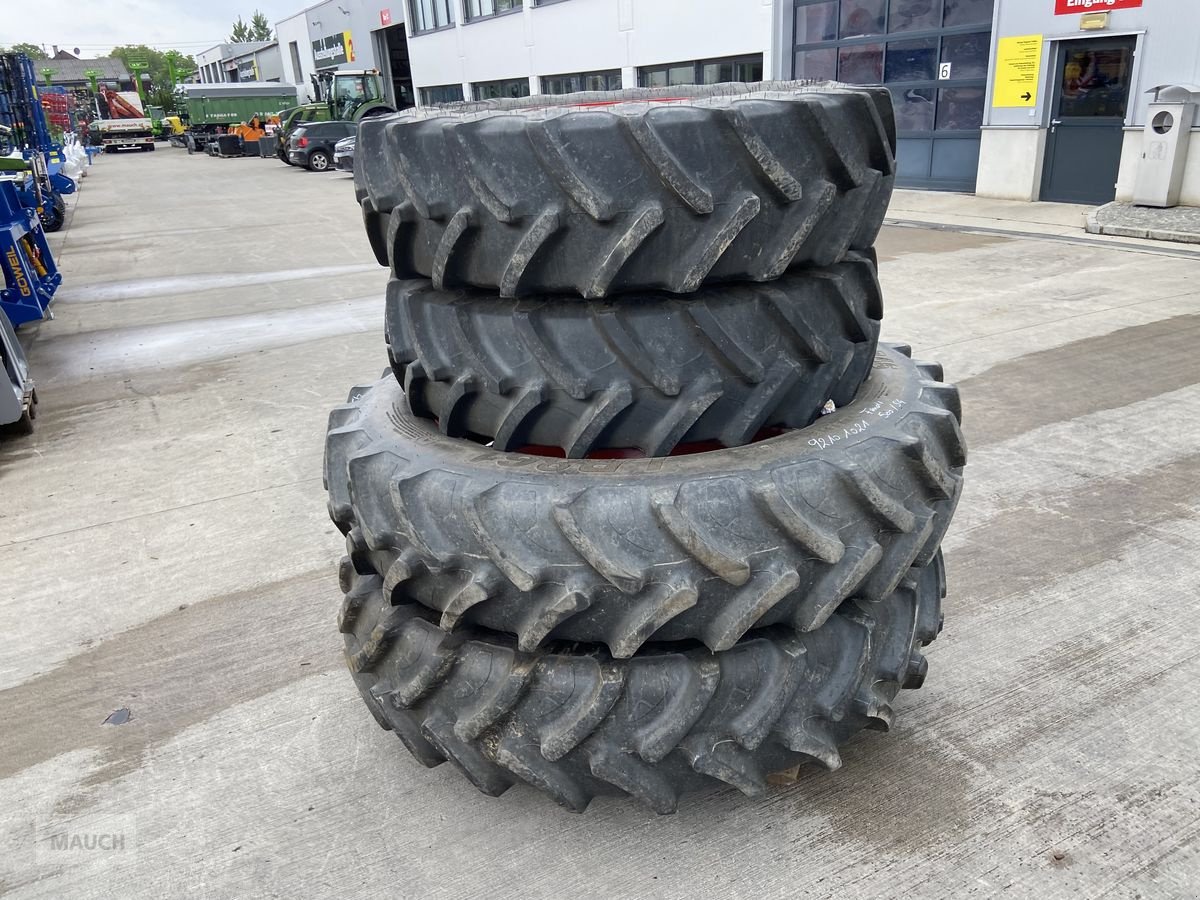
{"x": 345, "y": 94}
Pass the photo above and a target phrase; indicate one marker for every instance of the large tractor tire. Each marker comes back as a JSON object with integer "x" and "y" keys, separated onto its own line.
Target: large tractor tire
{"x": 668, "y": 190}
{"x": 647, "y": 371}
{"x": 621, "y": 551}
{"x": 576, "y": 724}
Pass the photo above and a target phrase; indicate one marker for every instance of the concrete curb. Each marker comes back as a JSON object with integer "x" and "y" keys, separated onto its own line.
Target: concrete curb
{"x": 1093, "y": 225}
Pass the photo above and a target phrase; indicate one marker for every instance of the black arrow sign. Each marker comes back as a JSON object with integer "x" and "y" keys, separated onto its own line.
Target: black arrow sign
{"x": 1027, "y": 96}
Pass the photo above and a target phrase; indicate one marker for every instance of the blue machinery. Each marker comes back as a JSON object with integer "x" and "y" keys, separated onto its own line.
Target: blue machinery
{"x": 30, "y": 275}
{"x": 22, "y": 115}
{"x": 29, "y": 281}
{"x": 29, "y": 205}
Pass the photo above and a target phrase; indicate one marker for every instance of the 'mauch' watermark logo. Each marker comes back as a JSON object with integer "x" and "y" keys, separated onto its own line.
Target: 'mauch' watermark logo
{"x": 73, "y": 843}
{"x": 108, "y": 836}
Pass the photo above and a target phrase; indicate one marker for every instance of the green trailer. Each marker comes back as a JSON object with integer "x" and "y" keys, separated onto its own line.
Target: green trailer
{"x": 211, "y": 109}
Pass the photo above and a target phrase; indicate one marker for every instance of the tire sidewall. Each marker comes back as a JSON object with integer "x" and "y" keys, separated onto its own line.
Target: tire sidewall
{"x": 318, "y": 161}
{"x": 892, "y": 389}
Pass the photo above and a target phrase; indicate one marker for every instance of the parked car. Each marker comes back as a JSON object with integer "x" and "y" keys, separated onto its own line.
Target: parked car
{"x": 311, "y": 145}
{"x": 343, "y": 154}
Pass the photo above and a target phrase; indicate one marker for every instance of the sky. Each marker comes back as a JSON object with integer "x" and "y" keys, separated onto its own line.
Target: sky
{"x": 96, "y": 26}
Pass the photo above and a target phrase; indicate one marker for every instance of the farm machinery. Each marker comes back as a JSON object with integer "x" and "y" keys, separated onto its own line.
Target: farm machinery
{"x": 29, "y": 155}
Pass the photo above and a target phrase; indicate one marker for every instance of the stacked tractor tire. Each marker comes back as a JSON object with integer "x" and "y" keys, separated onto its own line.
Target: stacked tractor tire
{"x": 641, "y": 506}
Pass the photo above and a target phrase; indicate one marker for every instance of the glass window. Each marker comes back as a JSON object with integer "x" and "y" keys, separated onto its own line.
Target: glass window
{"x": 442, "y": 93}
{"x": 355, "y": 88}
{"x": 1095, "y": 81}
{"x": 430, "y": 14}
{"x": 959, "y": 109}
{"x": 862, "y": 17}
{"x": 704, "y": 71}
{"x": 816, "y": 22}
{"x": 665, "y": 76}
{"x": 914, "y": 108}
{"x": 608, "y": 80}
{"x": 914, "y": 15}
{"x": 969, "y": 12}
{"x": 716, "y": 71}
{"x": 861, "y": 64}
{"x": 482, "y": 9}
{"x": 967, "y": 54}
{"x": 820, "y": 64}
{"x": 499, "y": 90}
{"x": 912, "y": 60}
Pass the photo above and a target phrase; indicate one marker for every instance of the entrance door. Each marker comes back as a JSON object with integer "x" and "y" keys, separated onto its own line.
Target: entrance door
{"x": 399, "y": 68}
{"x": 1091, "y": 95}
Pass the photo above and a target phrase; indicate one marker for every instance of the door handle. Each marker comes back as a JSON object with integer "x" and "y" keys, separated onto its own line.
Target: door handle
{"x": 1054, "y": 123}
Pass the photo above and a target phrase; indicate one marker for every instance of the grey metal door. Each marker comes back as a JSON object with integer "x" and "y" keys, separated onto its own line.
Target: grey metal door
{"x": 1090, "y": 98}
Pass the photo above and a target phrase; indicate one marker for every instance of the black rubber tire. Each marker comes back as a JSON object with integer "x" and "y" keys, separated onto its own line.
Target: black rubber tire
{"x": 24, "y": 425}
{"x": 21, "y": 427}
{"x": 735, "y": 182}
{"x": 576, "y": 723}
{"x": 54, "y": 215}
{"x": 617, "y": 551}
{"x": 319, "y": 156}
{"x": 649, "y": 371}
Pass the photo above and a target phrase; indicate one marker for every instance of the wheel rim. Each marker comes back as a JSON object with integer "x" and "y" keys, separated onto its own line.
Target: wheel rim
{"x": 319, "y": 162}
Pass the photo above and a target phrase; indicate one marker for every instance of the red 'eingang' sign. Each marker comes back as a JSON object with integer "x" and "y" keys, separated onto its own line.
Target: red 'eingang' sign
{"x": 1070, "y": 7}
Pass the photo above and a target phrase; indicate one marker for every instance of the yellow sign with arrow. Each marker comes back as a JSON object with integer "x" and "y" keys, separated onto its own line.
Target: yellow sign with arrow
{"x": 1018, "y": 67}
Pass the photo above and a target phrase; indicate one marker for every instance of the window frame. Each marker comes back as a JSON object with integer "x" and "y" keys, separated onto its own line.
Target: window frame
{"x": 414, "y": 19}
{"x": 698, "y": 66}
{"x": 475, "y": 87}
{"x": 425, "y": 101}
{"x": 605, "y": 72}
{"x": 887, "y": 38}
{"x": 468, "y": 19}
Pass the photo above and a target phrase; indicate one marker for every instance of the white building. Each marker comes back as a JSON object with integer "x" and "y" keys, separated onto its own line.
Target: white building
{"x": 1022, "y": 99}
{"x": 436, "y": 50}
{"x": 348, "y": 34}
{"x": 479, "y": 49}
{"x": 243, "y": 61}
{"x": 994, "y": 96}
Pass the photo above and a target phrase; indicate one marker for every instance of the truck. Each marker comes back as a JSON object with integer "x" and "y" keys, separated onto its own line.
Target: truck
{"x": 208, "y": 110}
{"x": 123, "y": 123}
{"x": 349, "y": 94}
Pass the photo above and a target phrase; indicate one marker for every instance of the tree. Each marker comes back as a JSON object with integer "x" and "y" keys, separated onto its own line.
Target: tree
{"x": 158, "y": 63}
{"x": 241, "y": 32}
{"x": 33, "y": 51}
{"x": 260, "y": 28}
{"x": 165, "y": 97}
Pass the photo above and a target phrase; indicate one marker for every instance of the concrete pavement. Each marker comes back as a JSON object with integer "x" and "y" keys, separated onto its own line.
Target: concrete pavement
{"x": 165, "y": 550}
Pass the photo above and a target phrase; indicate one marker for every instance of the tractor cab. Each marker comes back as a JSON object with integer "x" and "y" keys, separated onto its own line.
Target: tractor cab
{"x": 351, "y": 94}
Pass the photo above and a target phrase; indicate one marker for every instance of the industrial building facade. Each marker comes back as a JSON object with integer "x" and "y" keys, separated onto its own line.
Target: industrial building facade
{"x": 1023, "y": 99}
{"x": 1090, "y": 68}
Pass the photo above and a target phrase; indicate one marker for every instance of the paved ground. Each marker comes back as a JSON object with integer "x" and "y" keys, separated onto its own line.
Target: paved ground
{"x": 165, "y": 550}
